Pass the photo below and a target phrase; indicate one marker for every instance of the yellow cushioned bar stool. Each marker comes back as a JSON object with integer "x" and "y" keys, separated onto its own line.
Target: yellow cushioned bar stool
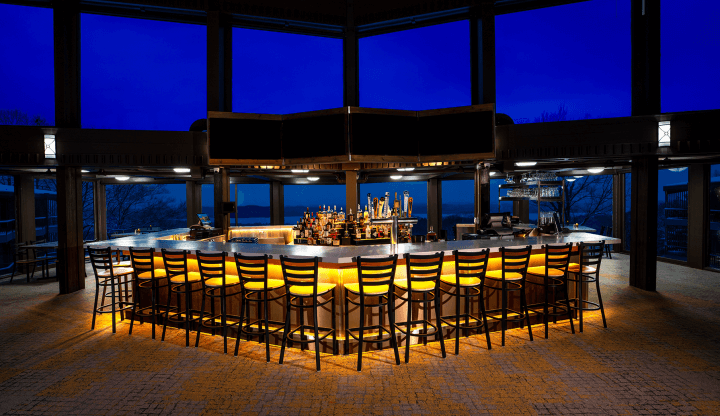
{"x": 553, "y": 278}
{"x": 376, "y": 277}
{"x": 468, "y": 283}
{"x": 301, "y": 282}
{"x": 146, "y": 277}
{"x": 587, "y": 271}
{"x": 183, "y": 284}
{"x": 256, "y": 288}
{"x": 107, "y": 275}
{"x": 422, "y": 272}
{"x": 511, "y": 278}
{"x": 216, "y": 285}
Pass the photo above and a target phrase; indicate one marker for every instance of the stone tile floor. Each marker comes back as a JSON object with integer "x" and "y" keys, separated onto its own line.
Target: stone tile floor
{"x": 659, "y": 355}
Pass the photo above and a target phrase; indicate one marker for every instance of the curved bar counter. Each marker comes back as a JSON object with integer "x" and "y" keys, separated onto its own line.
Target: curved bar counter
{"x": 337, "y": 263}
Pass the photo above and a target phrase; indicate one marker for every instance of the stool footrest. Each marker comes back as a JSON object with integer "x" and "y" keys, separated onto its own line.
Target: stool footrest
{"x": 399, "y": 326}
{"x": 520, "y": 315}
{"x": 290, "y": 334}
{"x": 538, "y": 308}
{"x": 128, "y": 306}
{"x": 379, "y": 336}
{"x": 593, "y": 306}
{"x": 175, "y": 317}
{"x": 261, "y": 324}
{"x": 449, "y": 320}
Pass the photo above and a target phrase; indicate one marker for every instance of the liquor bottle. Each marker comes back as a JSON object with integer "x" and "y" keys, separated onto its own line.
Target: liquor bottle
{"x": 341, "y": 215}
{"x": 431, "y": 236}
{"x": 350, "y": 217}
{"x": 365, "y": 214}
{"x": 368, "y": 231}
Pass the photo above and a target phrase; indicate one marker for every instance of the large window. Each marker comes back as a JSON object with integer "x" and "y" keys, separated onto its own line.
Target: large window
{"x": 417, "y": 69}
{"x": 564, "y": 63}
{"x": 714, "y": 202}
{"x": 7, "y": 223}
{"x": 253, "y": 204}
{"x": 299, "y": 198}
{"x": 689, "y": 59}
{"x": 142, "y": 74}
{"x": 26, "y": 66}
{"x": 134, "y": 206}
{"x": 673, "y": 213}
{"x": 417, "y": 190}
{"x": 458, "y": 204}
{"x": 281, "y": 73}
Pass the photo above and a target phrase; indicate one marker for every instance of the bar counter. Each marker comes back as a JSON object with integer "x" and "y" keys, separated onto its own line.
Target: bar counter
{"x": 337, "y": 266}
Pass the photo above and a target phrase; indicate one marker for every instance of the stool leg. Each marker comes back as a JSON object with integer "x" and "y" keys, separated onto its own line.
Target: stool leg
{"x": 202, "y": 318}
{"x": 112, "y": 297}
{"x": 302, "y": 324}
{"x": 97, "y": 290}
{"x": 503, "y": 321}
{"x": 484, "y": 316}
{"x": 267, "y": 325}
{"x": 545, "y": 308}
{"x": 333, "y": 322}
{"x": 409, "y": 319}
{"x": 223, "y": 317}
{"x": 346, "y": 344}
{"x": 425, "y": 318}
{"x": 580, "y": 299}
{"x": 438, "y": 322}
{"x": 523, "y": 303}
{"x": 362, "y": 331}
{"x": 132, "y": 321}
{"x": 315, "y": 330}
{"x": 467, "y": 310}
{"x": 154, "y": 288}
{"x": 457, "y": 319}
{"x": 602, "y": 309}
{"x": 391, "y": 315}
{"x": 212, "y": 314}
{"x": 188, "y": 299}
{"x": 381, "y": 318}
{"x": 247, "y": 314}
{"x": 567, "y": 305}
{"x": 287, "y": 328}
{"x": 241, "y": 326}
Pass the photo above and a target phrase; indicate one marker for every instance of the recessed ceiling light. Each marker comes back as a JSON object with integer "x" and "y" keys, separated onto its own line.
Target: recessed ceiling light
{"x": 396, "y": 177}
{"x": 84, "y": 171}
{"x": 122, "y": 178}
{"x": 299, "y": 170}
{"x": 313, "y": 178}
{"x": 406, "y": 169}
{"x": 182, "y": 170}
{"x": 525, "y": 163}
{"x": 493, "y": 173}
{"x": 577, "y": 177}
{"x": 570, "y": 179}
{"x": 595, "y": 170}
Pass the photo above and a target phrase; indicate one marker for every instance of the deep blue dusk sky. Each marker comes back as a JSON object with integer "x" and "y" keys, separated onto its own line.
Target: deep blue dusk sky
{"x": 142, "y": 74}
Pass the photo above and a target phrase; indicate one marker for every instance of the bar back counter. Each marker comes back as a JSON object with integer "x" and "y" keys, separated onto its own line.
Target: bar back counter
{"x": 337, "y": 265}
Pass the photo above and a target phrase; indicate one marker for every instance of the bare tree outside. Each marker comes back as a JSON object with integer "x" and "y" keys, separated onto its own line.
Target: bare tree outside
{"x": 140, "y": 205}
{"x": 586, "y": 198}
{"x": 20, "y": 118}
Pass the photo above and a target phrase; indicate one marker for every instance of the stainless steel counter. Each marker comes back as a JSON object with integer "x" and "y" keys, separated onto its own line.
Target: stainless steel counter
{"x": 343, "y": 254}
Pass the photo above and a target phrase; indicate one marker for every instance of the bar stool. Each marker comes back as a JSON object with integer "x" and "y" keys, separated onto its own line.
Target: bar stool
{"x": 375, "y": 278}
{"x": 423, "y": 276}
{"x": 253, "y": 272}
{"x": 301, "y": 280}
{"x": 590, "y": 256}
{"x": 511, "y": 277}
{"x": 181, "y": 283}
{"x": 215, "y": 285}
{"x": 470, "y": 269}
{"x": 146, "y": 277}
{"x": 107, "y": 275}
{"x": 553, "y": 276}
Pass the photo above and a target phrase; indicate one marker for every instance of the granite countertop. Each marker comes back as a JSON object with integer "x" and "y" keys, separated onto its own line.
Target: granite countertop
{"x": 342, "y": 254}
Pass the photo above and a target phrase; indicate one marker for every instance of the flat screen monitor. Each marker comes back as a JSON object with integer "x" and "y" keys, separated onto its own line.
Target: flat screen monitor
{"x": 204, "y": 219}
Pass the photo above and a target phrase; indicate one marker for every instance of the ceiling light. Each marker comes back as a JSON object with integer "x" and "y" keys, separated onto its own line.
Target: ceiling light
{"x": 677, "y": 170}
{"x": 182, "y": 170}
{"x": 299, "y": 170}
{"x": 577, "y": 177}
{"x": 406, "y": 169}
{"x": 49, "y": 144}
{"x": 84, "y": 171}
{"x": 313, "y": 178}
{"x": 493, "y": 173}
{"x": 663, "y": 134}
{"x": 570, "y": 179}
{"x": 595, "y": 170}
{"x": 122, "y": 178}
{"x": 396, "y": 177}
{"x": 525, "y": 163}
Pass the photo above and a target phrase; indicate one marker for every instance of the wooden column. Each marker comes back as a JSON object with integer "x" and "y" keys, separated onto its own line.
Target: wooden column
{"x": 698, "y": 215}
{"x": 643, "y": 223}
{"x": 71, "y": 267}
{"x": 618, "y": 216}
{"x": 351, "y": 75}
{"x": 352, "y": 191}
{"x": 434, "y": 205}
{"x": 482, "y": 53}
{"x": 277, "y": 203}
{"x": 24, "y": 208}
{"x": 645, "y": 60}
{"x": 221, "y": 194}
{"x": 193, "y": 201}
{"x": 482, "y": 193}
{"x": 100, "y": 210}
{"x": 219, "y": 61}
{"x": 66, "y": 34}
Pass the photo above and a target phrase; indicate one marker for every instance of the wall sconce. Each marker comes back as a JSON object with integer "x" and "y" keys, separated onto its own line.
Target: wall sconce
{"x": 663, "y": 134}
{"x": 49, "y": 144}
